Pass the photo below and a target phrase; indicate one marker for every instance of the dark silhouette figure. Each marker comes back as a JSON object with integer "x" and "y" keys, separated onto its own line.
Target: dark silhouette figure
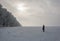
{"x": 43, "y": 28}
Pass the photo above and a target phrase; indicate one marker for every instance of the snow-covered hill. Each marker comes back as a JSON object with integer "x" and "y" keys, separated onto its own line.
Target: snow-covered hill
{"x": 29, "y": 34}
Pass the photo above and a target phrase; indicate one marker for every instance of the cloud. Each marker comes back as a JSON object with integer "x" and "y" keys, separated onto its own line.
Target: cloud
{"x": 40, "y": 12}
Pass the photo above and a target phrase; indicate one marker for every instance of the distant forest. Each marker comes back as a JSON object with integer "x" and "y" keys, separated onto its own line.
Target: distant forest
{"x": 7, "y": 19}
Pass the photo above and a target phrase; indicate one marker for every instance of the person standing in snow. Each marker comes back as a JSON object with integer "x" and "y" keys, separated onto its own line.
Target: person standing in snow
{"x": 43, "y": 28}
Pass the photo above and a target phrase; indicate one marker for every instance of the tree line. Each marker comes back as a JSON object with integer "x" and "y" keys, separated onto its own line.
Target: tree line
{"x": 7, "y": 19}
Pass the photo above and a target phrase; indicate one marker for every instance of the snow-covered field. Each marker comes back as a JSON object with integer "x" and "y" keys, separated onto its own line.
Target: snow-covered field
{"x": 29, "y": 34}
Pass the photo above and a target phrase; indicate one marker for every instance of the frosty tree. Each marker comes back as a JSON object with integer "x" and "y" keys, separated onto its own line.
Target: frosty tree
{"x": 7, "y": 19}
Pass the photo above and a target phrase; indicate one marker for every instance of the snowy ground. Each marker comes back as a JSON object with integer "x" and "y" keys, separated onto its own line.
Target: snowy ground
{"x": 29, "y": 34}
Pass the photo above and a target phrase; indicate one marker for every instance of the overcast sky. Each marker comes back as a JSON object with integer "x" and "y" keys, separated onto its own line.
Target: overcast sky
{"x": 39, "y": 12}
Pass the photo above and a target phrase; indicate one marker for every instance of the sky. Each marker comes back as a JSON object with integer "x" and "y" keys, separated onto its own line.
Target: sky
{"x": 34, "y": 12}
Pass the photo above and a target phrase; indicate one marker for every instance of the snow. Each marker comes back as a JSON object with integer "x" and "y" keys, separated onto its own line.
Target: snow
{"x": 29, "y": 34}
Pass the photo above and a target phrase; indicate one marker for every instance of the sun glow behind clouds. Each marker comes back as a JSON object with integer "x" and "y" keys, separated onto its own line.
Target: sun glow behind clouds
{"x": 22, "y": 7}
